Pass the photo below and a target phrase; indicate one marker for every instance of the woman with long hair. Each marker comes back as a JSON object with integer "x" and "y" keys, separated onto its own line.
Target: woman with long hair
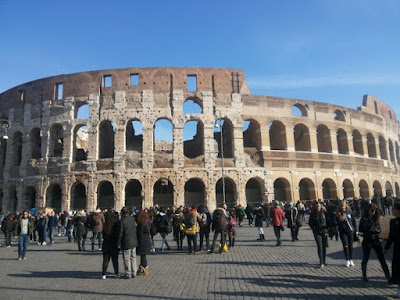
{"x": 144, "y": 241}
{"x": 370, "y": 227}
{"x": 318, "y": 223}
{"x": 347, "y": 229}
{"x": 110, "y": 244}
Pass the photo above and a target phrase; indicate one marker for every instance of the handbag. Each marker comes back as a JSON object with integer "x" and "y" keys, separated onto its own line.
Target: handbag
{"x": 188, "y": 230}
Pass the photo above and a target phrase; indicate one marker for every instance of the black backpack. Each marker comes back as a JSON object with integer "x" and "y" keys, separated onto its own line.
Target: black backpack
{"x": 189, "y": 221}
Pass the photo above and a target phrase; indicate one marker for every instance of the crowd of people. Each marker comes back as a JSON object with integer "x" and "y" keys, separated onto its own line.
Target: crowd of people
{"x": 132, "y": 231}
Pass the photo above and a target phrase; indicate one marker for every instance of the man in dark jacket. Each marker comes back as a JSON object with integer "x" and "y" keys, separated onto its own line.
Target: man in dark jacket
{"x": 23, "y": 230}
{"x": 127, "y": 242}
{"x": 7, "y": 226}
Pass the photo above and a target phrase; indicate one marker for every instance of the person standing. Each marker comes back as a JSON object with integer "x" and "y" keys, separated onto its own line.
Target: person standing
{"x": 318, "y": 223}
{"x": 249, "y": 213}
{"x": 127, "y": 242}
{"x": 161, "y": 223}
{"x": 292, "y": 219}
{"x": 277, "y": 216}
{"x": 192, "y": 217}
{"x": 205, "y": 227}
{"x": 52, "y": 224}
{"x": 97, "y": 222}
{"x": 259, "y": 216}
{"x": 144, "y": 242}
{"x": 370, "y": 227}
{"x": 23, "y": 229}
{"x": 394, "y": 238}
{"x": 177, "y": 220}
{"x": 81, "y": 231}
{"x": 219, "y": 223}
{"x": 110, "y": 244}
{"x": 7, "y": 226}
{"x": 346, "y": 225}
{"x": 41, "y": 227}
{"x": 232, "y": 228}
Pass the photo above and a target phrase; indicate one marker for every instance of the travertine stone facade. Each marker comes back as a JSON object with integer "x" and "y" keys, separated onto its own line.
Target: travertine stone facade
{"x": 53, "y": 158}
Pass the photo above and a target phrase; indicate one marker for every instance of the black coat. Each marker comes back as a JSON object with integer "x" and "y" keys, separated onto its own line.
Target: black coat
{"x": 144, "y": 239}
{"x": 319, "y": 222}
{"x": 79, "y": 222}
{"x": 127, "y": 234}
{"x": 259, "y": 214}
{"x": 110, "y": 241}
{"x": 394, "y": 237}
{"x": 348, "y": 224}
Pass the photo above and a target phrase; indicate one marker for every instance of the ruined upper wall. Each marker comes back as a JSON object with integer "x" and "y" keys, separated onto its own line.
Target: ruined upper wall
{"x": 375, "y": 106}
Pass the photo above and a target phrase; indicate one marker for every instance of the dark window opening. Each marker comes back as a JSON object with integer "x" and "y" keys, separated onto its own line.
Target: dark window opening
{"x": 376, "y": 107}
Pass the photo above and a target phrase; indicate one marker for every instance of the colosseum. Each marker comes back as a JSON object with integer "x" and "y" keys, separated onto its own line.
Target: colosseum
{"x": 183, "y": 136}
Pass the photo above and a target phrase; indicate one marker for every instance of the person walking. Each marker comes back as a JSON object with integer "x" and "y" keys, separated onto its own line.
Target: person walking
{"x": 277, "y": 216}
{"x": 347, "y": 229}
{"x": 97, "y": 222}
{"x": 240, "y": 214}
{"x": 394, "y": 238}
{"x": 161, "y": 223}
{"x": 205, "y": 227}
{"x": 259, "y": 216}
{"x": 7, "y": 226}
{"x": 110, "y": 244}
{"x": 218, "y": 225}
{"x": 144, "y": 242}
{"x": 81, "y": 231}
{"x": 23, "y": 229}
{"x": 41, "y": 227}
{"x": 232, "y": 228}
{"x": 370, "y": 227}
{"x": 52, "y": 225}
{"x": 249, "y": 214}
{"x": 293, "y": 220}
{"x": 177, "y": 220}
{"x": 318, "y": 223}
{"x": 127, "y": 242}
{"x": 192, "y": 219}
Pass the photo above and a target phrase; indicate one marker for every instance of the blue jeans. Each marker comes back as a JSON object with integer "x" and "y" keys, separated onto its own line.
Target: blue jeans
{"x": 42, "y": 235}
{"x": 61, "y": 230}
{"x": 95, "y": 236}
{"x": 164, "y": 240}
{"x": 192, "y": 239}
{"x": 8, "y": 236}
{"x": 51, "y": 234}
{"x": 23, "y": 241}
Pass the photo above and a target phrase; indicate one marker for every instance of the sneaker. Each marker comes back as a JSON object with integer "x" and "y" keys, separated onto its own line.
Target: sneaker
{"x": 19, "y": 258}
{"x": 24, "y": 258}
{"x": 347, "y": 263}
{"x": 322, "y": 266}
{"x": 351, "y": 263}
{"x": 103, "y": 277}
{"x": 44, "y": 244}
{"x": 100, "y": 249}
{"x": 60, "y": 235}
{"x": 8, "y": 246}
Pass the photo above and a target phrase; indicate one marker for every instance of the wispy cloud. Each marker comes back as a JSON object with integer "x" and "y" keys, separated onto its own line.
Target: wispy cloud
{"x": 288, "y": 82}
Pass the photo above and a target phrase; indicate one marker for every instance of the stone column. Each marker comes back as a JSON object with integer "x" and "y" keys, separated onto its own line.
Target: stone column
{"x": 350, "y": 145}
{"x": 265, "y": 141}
{"x": 178, "y": 156}
{"x": 238, "y": 146}
{"x": 365, "y": 147}
{"x": 313, "y": 142}
{"x": 334, "y": 143}
{"x": 290, "y": 140}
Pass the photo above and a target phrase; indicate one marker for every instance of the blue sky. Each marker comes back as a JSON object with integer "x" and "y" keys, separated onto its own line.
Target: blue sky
{"x": 330, "y": 51}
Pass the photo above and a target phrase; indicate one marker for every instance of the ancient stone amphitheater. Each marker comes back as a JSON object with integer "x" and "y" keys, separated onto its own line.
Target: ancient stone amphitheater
{"x": 270, "y": 148}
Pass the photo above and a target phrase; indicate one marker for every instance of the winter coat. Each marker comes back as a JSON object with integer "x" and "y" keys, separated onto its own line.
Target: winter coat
{"x": 53, "y": 220}
{"x": 219, "y": 220}
{"x": 365, "y": 228}
{"x": 196, "y": 218}
{"x": 41, "y": 223}
{"x": 110, "y": 241}
{"x": 144, "y": 239}
{"x": 97, "y": 222}
{"x": 348, "y": 224}
{"x": 7, "y": 225}
{"x": 205, "y": 223}
{"x": 291, "y": 215}
{"x": 318, "y": 222}
{"x": 79, "y": 224}
{"x": 18, "y": 225}
{"x": 161, "y": 222}
{"x": 259, "y": 214}
{"x": 127, "y": 234}
{"x": 394, "y": 237}
{"x": 277, "y": 216}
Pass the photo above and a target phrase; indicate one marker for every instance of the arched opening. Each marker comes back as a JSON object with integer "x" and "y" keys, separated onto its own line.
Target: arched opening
{"x": 377, "y": 188}
{"x": 391, "y": 150}
{"x": 53, "y": 197}
{"x": 382, "y": 147}
{"x": 329, "y": 190}
{"x": 78, "y": 196}
{"x": 194, "y": 192}
{"x": 29, "y": 198}
{"x": 396, "y": 185}
{"x": 133, "y": 194}
{"x": 82, "y": 111}
{"x": 364, "y": 189}
{"x": 307, "y": 189}
{"x": 134, "y": 136}
{"x": 253, "y": 192}
{"x": 193, "y": 106}
{"x": 227, "y": 136}
{"x": 324, "y": 139}
{"x": 81, "y": 140}
{"x": 230, "y": 192}
{"x": 282, "y": 190}
{"x": 397, "y": 153}
{"x": 348, "y": 189}
{"x": 3, "y": 151}
{"x": 193, "y": 139}
{"x": 106, "y": 139}
{"x": 357, "y": 142}
{"x": 17, "y": 148}
{"x": 299, "y": 110}
{"x": 251, "y": 134}
{"x": 35, "y": 142}
{"x": 302, "y": 138}
{"x": 343, "y": 145}
{"x": 56, "y": 140}
{"x": 277, "y": 136}
{"x": 338, "y": 115}
{"x": 389, "y": 189}
{"x": 13, "y": 199}
{"x": 371, "y": 145}
{"x": 163, "y": 193}
{"x": 105, "y": 194}
{"x": 163, "y": 144}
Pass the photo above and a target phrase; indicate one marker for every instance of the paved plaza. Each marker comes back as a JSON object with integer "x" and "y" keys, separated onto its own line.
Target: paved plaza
{"x": 252, "y": 270}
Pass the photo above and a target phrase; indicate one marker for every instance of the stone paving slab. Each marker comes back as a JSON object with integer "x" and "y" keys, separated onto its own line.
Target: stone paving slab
{"x": 252, "y": 270}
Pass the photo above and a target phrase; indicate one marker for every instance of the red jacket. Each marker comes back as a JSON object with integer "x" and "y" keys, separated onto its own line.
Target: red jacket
{"x": 277, "y": 216}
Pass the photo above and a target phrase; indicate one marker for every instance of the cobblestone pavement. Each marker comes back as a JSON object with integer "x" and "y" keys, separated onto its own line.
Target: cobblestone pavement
{"x": 251, "y": 270}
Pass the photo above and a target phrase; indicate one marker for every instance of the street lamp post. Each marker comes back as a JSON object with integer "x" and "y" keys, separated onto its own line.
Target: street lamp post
{"x": 220, "y": 126}
{"x": 5, "y": 124}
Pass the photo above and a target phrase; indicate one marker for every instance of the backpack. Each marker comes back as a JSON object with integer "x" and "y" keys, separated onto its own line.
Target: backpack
{"x": 204, "y": 220}
{"x": 189, "y": 221}
{"x": 219, "y": 220}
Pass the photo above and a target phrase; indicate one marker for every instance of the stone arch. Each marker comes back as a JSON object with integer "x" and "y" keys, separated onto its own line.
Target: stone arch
{"x": 80, "y": 143}
{"x": 105, "y": 195}
{"x": 299, "y": 110}
{"x": 364, "y": 189}
{"x": 302, "y": 138}
{"x": 358, "y": 142}
{"x": 193, "y": 105}
{"x": 106, "y": 139}
{"x": 307, "y": 189}
{"x": 371, "y": 144}
{"x": 342, "y": 142}
{"x": 13, "y": 198}
{"x": 389, "y": 189}
{"x": 377, "y": 188}
{"x": 54, "y": 197}
{"x": 81, "y": 110}
{"x": 253, "y": 191}
{"x": 230, "y": 192}
{"x": 329, "y": 190}
{"x": 193, "y": 138}
{"x": 35, "y": 143}
{"x": 324, "y": 139}
{"x": 194, "y": 192}
{"x": 348, "y": 189}
{"x": 397, "y": 153}
{"x": 251, "y": 134}
{"x": 163, "y": 135}
{"x": 163, "y": 193}
{"x": 78, "y": 196}
{"x": 17, "y": 148}
{"x": 397, "y": 188}
{"x": 282, "y": 190}
{"x": 134, "y": 136}
{"x": 277, "y": 136}
{"x": 29, "y": 200}
{"x": 133, "y": 194}
{"x": 56, "y": 142}
{"x": 382, "y": 147}
{"x": 391, "y": 151}
{"x": 227, "y": 136}
{"x": 338, "y": 115}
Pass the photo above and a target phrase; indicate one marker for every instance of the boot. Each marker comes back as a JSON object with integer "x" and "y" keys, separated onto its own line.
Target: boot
{"x": 260, "y": 238}
{"x": 364, "y": 272}
{"x": 145, "y": 271}
{"x": 140, "y": 271}
{"x": 263, "y": 237}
